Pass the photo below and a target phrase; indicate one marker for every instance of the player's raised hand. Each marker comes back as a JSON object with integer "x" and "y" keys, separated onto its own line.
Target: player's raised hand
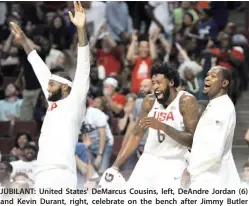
{"x": 79, "y": 18}
{"x": 19, "y": 35}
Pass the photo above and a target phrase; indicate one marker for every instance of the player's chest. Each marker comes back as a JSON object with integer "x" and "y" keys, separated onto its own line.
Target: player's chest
{"x": 167, "y": 116}
{"x": 58, "y": 112}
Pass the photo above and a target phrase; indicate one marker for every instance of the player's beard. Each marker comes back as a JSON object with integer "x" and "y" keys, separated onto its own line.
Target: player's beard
{"x": 56, "y": 96}
{"x": 166, "y": 95}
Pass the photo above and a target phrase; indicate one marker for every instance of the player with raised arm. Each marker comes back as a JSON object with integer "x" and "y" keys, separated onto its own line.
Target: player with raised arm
{"x": 66, "y": 100}
{"x": 171, "y": 118}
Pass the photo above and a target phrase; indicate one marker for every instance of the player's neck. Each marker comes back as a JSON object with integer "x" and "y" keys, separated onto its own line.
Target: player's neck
{"x": 65, "y": 95}
{"x": 171, "y": 98}
{"x": 221, "y": 93}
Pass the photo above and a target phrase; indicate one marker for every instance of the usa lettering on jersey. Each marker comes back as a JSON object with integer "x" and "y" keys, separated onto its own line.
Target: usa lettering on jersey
{"x": 53, "y": 106}
{"x": 162, "y": 116}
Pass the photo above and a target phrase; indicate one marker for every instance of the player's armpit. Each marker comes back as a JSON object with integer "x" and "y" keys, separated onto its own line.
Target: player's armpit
{"x": 132, "y": 140}
{"x": 190, "y": 113}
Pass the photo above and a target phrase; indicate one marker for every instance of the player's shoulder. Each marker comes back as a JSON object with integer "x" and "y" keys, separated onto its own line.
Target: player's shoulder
{"x": 187, "y": 98}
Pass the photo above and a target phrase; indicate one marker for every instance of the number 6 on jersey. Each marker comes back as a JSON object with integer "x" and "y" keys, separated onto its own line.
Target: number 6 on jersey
{"x": 161, "y": 136}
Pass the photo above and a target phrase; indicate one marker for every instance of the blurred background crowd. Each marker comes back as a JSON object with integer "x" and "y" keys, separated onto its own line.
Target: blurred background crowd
{"x": 126, "y": 38}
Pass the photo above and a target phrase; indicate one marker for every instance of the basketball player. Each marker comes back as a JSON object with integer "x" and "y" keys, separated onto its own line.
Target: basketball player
{"x": 211, "y": 162}
{"x": 171, "y": 118}
{"x": 56, "y": 160}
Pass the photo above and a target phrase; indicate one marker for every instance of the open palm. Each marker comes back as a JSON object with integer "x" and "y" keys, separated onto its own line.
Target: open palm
{"x": 79, "y": 18}
{"x": 19, "y": 35}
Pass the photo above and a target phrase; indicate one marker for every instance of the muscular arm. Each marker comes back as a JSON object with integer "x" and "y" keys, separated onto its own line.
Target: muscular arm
{"x": 134, "y": 137}
{"x": 81, "y": 80}
{"x": 190, "y": 112}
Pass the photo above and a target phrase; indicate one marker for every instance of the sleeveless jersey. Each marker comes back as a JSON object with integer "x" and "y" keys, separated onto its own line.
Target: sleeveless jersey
{"x": 160, "y": 144}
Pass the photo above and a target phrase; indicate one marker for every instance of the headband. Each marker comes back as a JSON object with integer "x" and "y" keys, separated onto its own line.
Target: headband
{"x": 61, "y": 80}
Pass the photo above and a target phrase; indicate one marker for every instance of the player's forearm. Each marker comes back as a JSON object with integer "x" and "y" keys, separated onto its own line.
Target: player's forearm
{"x": 130, "y": 147}
{"x": 182, "y": 137}
{"x": 82, "y": 37}
{"x": 28, "y": 47}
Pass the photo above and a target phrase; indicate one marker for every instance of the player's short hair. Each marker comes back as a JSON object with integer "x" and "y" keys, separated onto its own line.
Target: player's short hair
{"x": 21, "y": 133}
{"x": 227, "y": 74}
{"x": 168, "y": 70}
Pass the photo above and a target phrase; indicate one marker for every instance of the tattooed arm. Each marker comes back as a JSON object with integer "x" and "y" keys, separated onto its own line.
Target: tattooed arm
{"x": 132, "y": 140}
{"x": 190, "y": 112}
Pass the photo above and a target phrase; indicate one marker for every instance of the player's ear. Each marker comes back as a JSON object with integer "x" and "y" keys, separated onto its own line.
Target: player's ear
{"x": 171, "y": 83}
{"x": 64, "y": 87}
{"x": 225, "y": 83}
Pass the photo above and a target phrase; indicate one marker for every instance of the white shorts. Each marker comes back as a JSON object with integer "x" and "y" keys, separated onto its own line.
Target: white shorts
{"x": 56, "y": 178}
{"x": 155, "y": 173}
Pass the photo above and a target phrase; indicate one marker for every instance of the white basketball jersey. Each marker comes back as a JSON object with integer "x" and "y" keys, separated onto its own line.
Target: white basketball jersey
{"x": 158, "y": 143}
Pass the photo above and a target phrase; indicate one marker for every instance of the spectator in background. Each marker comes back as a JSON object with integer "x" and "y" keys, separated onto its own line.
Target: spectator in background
{"x": 32, "y": 87}
{"x": 145, "y": 89}
{"x": 28, "y": 164}
{"x": 161, "y": 15}
{"x": 186, "y": 6}
{"x": 109, "y": 56}
{"x": 207, "y": 29}
{"x": 86, "y": 171}
{"x": 142, "y": 62}
{"x": 114, "y": 101}
{"x": 2, "y": 95}
{"x": 97, "y": 128}
{"x": 181, "y": 36}
{"x": 96, "y": 16}
{"x": 220, "y": 13}
{"x": 126, "y": 123}
{"x": 59, "y": 35}
{"x": 246, "y": 174}
{"x": 3, "y": 12}
{"x": 82, "y": 161}
{"x": 10, "y": 106}
{"x": 96, "y": 85}
{"x": 183, "y": 86}
{"x": 190, "y": 71}
{"x": 22, "y": 138}
{"x": 119, "y": 23}
{"x": 5, "y": 171}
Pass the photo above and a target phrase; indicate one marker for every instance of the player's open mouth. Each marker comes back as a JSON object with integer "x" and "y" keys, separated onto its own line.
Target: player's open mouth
{"x": 159, "y": 94}
{"x": 207, "y": 86}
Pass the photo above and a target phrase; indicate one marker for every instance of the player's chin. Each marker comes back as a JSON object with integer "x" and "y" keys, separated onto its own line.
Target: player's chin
{"x": 160, "y": 96}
